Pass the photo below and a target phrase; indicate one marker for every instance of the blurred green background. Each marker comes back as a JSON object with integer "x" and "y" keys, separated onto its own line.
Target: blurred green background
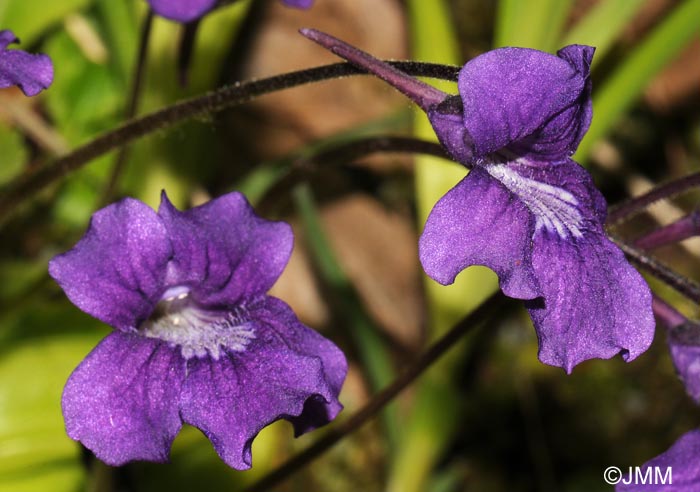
{"x": 489, "y": 416}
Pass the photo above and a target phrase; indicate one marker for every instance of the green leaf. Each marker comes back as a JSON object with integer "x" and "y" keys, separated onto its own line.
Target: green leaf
{"x": 434, "y": 39}
{"x": 35, "y": 453}
{"x": 30, "y": 18}
{"x": 533, "y": 24}
{"x": 13, "y": 153}
{"x": 602, "y": 25}
{"x": 17, "y": 276}
{"x": 426, "y": 433}
{"x": 85, "y": 97}
{"x": 374, "y": 356}
{"x": 625, "y": 86}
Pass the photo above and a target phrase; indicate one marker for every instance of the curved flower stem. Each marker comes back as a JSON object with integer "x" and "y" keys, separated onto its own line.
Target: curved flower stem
{"x": 381, "y": 399}
{"x": 132, "y": 107}
{"x": 27, "y": 186}
{"x": 665, "y": 313}
{"x": 679, "y": 230}
{"x": 636, "y": 205}
{"x": 685, "y": 286}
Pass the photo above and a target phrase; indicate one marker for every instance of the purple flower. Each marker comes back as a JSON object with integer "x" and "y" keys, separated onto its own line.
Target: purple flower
{"x": 684, "y": 344}
{"x": 182, "y": 10}
{"x": 32, "y": 73}
{"x": 196, "y": 338}
{"x": 683, "y": 458}
{"x": 299, "y": 4}
{"x": 190, "y": 10}
{"x": 526, "y": 210}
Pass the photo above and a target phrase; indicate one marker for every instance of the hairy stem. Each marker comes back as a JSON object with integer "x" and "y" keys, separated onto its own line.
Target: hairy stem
{"x": 679, "y": 230}
{"x": 381, "y": 399}
{"x": 685, "y": 286}
{"x": 27, "y": 186}
{"x": 636, "y": 205}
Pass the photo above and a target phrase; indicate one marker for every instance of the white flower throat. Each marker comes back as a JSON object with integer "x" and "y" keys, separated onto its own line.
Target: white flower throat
{"x": 178, "y": 320}
{"x": 555, "y": 209}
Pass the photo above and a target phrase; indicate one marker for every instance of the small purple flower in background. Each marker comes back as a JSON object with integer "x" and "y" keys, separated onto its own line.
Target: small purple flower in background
{"x": 299, "y": 4}
{"x": 31, "y": 73}
{"x": 190, "y": 10}
{"x": 686, "y": 359}
{"x": 526, "y": 210}
{"x": 182, "y": 10}
{"x": 684, "y": 460}
{"x": 196, "y": 339}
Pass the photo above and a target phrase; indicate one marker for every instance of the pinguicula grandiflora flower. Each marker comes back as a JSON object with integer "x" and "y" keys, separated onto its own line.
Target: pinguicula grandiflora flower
{"x": 526, "y": 210}
{"x": 190, "y": 10}
{"x": 196, "y": 339}
{"x": 30, "y": 72}
{"x": 683, "y": 460}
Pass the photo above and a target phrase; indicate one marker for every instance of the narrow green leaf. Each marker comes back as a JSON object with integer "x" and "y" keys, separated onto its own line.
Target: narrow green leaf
{"x": 534, "y": 24}
{"x": 266, "y": 174}
{"x": 375, "y": 358}
{"x": 602, "y": 25}
{"x": 434, "y": 39}
{"x": 625, "y": 86}
{"x": 428, "y": 428}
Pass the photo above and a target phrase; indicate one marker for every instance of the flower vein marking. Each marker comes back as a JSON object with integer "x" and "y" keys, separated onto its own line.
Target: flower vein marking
{"x": 554, "y": 208}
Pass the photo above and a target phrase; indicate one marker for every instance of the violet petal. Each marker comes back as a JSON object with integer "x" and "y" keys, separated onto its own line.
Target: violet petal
{"x": 684, "y": 460}
{"x": 223, "y": 251}
{"x": 32, "y": 73}
{"x": 595, "y": 304}
{"x": 299, "y": 4}
{"x": 116, "y": 272}
{"x": 277, "y": 315}
{"x": 121, "y": 402}
{"x": 534, "y": 103}
{"x": 480, "y": 222}
{"x": 686, "y": 359}
{"x": 7, "y": 37}
{"x": 182, "y": 10}
{"x": 286, "y": 372}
